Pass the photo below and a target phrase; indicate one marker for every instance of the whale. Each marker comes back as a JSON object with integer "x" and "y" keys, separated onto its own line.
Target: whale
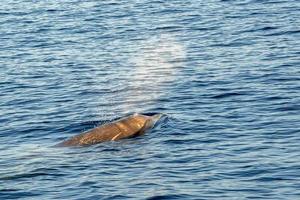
{"x": 127, "y": 127}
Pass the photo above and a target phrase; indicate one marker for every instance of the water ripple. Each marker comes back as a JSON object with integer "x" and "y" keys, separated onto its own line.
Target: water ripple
{"x": 225, "y": 74}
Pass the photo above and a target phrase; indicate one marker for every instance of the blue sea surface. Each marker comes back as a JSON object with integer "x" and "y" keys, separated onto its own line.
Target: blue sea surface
{"x": 226, "y": 74}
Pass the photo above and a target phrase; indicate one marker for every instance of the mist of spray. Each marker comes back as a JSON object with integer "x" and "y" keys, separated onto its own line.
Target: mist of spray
{"x": 156, "y": 64}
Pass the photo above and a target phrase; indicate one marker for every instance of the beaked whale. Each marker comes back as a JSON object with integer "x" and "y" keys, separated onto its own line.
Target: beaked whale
{"x": 131, "y": 126}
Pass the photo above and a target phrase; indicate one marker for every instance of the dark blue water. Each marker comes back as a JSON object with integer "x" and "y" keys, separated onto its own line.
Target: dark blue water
{"x": 226, "y": 73}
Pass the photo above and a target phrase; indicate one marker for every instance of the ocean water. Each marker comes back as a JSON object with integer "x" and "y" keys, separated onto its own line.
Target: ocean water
{"x": 226, "y": 74}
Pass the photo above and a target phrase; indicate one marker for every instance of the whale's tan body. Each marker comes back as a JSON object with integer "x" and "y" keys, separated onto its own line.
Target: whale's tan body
{"x": 131, "y": 126}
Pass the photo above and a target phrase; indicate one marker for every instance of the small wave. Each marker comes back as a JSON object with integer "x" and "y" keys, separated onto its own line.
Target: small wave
{"x": 229, "y": 94}
{"x": 169, "y": 196}
{"x": 29, "y": 175}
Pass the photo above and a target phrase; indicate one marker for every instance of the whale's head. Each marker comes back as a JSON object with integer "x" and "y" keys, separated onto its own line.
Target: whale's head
{"x": 154, "y": 118}
{"x": 146, "y": 121}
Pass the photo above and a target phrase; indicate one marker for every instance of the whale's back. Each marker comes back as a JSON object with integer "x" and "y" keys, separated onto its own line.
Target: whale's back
{"x": 131, "y": 126}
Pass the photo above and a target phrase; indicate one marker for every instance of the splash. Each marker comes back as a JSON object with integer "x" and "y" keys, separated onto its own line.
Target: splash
{"x": 153, "y": 65}
{"x": 159, "y": 53}
{"x": 156, "y": 64}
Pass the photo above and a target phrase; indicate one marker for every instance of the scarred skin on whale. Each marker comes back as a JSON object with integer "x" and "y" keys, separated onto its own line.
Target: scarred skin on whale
{"x": 128, "y": 127}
